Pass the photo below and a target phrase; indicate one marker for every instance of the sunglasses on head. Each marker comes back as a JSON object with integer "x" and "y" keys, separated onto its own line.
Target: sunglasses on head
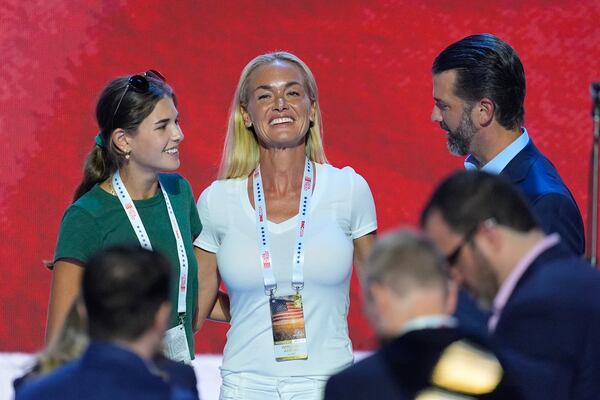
{"x": 139, "y": 84}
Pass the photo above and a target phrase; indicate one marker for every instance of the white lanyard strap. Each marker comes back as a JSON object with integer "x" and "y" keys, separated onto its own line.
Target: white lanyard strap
{"x": 142, "y": 235}
{"x": 263, "y": 231}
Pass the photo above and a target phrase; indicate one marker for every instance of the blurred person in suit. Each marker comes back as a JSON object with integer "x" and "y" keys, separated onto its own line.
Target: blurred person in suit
{"x": 125, "y": 291}
{"x": 544, "y": 300}
{"x": 72, "y": 341}
{"x": 409, "y": 299}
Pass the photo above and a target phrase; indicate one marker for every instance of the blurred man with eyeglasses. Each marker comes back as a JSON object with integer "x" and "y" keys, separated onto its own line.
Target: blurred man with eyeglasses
{"x": 544, "y": 300}
{"x": 425, "y": 355}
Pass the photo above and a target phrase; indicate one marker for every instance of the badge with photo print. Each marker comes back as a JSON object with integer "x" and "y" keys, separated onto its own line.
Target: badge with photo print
{"x": 287, "y": 321}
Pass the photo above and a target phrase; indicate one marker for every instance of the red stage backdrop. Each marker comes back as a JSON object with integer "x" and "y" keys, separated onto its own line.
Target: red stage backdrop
{"x": 372, "y": 62}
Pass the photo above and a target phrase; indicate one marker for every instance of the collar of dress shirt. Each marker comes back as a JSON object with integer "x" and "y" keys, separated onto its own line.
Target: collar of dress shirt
{"x": 498, "y": 163}
{"x": 428, "y": 322}
{"x": 508, "y": 286}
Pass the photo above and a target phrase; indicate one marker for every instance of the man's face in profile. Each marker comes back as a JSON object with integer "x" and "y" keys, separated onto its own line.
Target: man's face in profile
{"x": 452, "y": 113}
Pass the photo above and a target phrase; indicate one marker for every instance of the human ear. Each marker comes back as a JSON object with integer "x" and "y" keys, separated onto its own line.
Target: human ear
{"x": 489, "y": 238}
{"x": 119, "y": 139}
{"x": 246, "y": 117}
{"x": 485, "y": 109}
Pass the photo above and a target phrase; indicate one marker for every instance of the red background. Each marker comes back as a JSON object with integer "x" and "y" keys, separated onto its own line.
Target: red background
{"x": 372, "y": 62}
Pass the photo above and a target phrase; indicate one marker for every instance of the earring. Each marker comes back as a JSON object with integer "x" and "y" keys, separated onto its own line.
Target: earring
{"x": 127, "y": 154}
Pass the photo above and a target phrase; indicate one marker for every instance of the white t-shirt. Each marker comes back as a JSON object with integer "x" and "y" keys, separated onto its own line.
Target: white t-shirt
{"x": 342, "y": 209}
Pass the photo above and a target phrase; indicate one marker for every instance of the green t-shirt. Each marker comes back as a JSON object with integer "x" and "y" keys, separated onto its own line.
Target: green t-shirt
{"x": 97, "y": 220}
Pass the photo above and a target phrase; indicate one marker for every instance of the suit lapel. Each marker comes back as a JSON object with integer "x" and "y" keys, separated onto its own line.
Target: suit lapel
{"x": 517, "y": 169}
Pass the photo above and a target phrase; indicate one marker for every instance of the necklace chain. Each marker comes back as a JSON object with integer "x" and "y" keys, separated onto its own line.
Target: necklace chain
{"x": 112, "y": 188}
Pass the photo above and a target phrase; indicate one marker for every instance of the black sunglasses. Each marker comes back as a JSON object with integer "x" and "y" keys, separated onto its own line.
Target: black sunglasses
{"x": 139, "y": 84}
{"x": 452, "y": 257}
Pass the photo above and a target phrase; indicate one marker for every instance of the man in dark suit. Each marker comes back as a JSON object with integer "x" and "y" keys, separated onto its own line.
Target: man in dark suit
{"x": 126, "y": 296}
{"x": 479, "y": 92}
{"x": 545, "y": 301}
{"x": 408, "y": 297}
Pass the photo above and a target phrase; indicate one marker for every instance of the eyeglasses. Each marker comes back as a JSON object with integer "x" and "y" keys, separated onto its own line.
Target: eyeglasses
{"x": 452, "y": 257}
{"x": 139, "y": 84}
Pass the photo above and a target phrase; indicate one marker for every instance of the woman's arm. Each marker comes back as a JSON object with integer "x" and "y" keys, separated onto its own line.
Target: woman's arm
{"x": 66, "y": 285}
{"x": 211, "y": 302}
{"x": 362, "y": 247}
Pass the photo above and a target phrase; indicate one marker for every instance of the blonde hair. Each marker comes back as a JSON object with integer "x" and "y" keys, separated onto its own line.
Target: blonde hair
{"x": 241, "y": 150}
{"x": 68, "y": 345}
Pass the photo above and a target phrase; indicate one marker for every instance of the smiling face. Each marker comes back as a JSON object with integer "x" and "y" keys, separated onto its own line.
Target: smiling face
{"x": 278, "y": 105}
{"x": 155, "y": 146}
{"x": 452, "y": 113}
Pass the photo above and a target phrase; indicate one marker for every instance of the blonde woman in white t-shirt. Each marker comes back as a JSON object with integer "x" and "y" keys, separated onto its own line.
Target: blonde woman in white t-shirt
{"x": 281, "y": 228}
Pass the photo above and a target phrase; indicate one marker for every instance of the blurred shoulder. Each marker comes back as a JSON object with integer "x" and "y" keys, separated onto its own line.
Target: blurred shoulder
{"x": 371, "y": 366}
{"x": 50, "y": 386}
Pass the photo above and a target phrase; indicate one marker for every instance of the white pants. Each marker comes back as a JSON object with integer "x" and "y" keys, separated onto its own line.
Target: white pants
{"x": 248, "y": 386}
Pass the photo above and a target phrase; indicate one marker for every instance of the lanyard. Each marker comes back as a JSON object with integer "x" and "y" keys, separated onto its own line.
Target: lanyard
{"x": 263, "y": 232}
{"x": 140, "y": 232}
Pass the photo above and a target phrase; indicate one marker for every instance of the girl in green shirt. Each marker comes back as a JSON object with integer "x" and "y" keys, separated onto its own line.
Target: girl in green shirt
{"x": 139, "y": 137}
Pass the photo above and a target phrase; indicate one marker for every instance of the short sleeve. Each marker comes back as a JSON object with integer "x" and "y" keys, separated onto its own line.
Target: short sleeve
{"x": 363, "y": 218}
{"x": 208, "y": 239}
{"x": 78, "y": 237}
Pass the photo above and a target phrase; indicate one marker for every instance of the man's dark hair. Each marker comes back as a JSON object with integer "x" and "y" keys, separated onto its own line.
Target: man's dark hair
{"x": 467, "y": 198}
{"x": 486, "y": 66}
{"x": 123, "y": 288}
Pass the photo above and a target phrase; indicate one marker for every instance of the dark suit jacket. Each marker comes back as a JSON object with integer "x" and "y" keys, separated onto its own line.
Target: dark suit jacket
{"x": 550, "y": 198}
{"x": 177, "y": 373}
{"x": 555, "y": 209}
{"x": 106, "y": 371}
{"x": 551, "y": 324}
{"x": 403, "y": 368}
